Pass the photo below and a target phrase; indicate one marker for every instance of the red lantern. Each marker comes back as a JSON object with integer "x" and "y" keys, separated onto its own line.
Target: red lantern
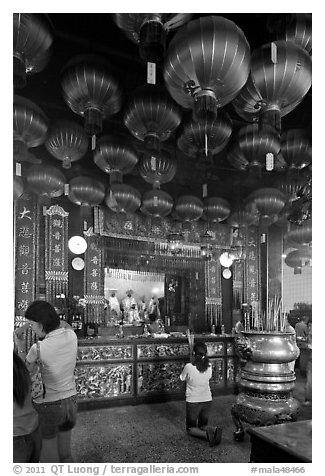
{"x": 205, "y": 138}
{"x": 29, "y": 126}
{"x": 242, "y": 218}
{"x": 68, "y": 142}
{"x": 123, "y": 198}
{"x": 149, "y": 30}
{"x": 152, "y": 116}
{"x": 268, "y": 201}
{"x": 207, "y": 64}
{"x": 86, "y": 192}
{"x": 91, "y": 91}
{"x": 296, "y": 27}
{"x": 31, "y": 46}
{"x": 300, "y": 235}
{"x": 188, "y": 209}
{"x": 45, "y": 180}
{"x": 216, "y": 209}
{"x": 299, "y": 258}
{"x": 157, "y": 168}
{"x": 115, "y": 157}
{"x": 280, "y": 78}
{"x": 157, "y": 203}
{"x": 296, "y": 149}
{"x": 251, "y": 145}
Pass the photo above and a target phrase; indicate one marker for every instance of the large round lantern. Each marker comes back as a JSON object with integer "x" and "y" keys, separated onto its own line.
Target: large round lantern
{"x": 152, "y": 116}
{"x": 204, "y": 139}
{"x": 268, "y": 201}
{"x": 86, "y": 192}
{"x": 32, "y": 41}
{"x": 300, "y": 235}
{"x": 45, "y": 181}
{"x": 296, "y": 149}
{"x": 29, "y": 127}
{"x": 67, "y": 142}
{"x": 280, "y": 78}
{"x": 290, "y": 185}
{"x": 188, "y": 209}
{"x": 207, "y": 64}
{"x": 148, "y": 30}
{"x": 18, "y": 187}
{"x": 216, "y": 209}
{"x": 242, "y": 217}
{"x": 91, "y": 91}
{"x": 157, "y": 203}
{"x": 296, "y": 27}
{"x": 122, "y": 198}
{"x": 157, "y": 168}
{"x": 297, "y": 259}
{"x": 115, "y": 157}
{"x": 251, "y": 146}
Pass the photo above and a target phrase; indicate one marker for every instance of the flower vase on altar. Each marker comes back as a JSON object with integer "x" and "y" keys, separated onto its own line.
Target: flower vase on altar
{"x": 266, "y": 380}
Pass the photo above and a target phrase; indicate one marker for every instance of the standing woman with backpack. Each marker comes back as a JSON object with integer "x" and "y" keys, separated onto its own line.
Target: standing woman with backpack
{"x": 197, "y": 375}
{"x": 57, "y": 407}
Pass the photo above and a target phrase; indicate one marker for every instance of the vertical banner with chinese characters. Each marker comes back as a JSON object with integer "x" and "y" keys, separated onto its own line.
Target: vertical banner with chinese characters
{"x": 56, "y": 253}
{"x": 213, "y": 297}
{"x": 252, "y": 274}
{"x": 25, "y": 254}
{"x": 94, "y": 279}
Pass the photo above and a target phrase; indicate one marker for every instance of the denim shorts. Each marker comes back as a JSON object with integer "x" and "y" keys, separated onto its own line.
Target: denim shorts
{"x": 56, "y": 416}
{"x": 197, "y": 414}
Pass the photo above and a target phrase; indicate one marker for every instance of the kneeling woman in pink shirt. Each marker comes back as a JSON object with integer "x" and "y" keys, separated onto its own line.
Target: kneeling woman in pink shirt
{"x": 198, "y": 396}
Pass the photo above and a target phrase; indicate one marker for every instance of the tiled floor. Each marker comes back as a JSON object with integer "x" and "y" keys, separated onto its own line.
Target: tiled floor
{"x": 155, "y": 433}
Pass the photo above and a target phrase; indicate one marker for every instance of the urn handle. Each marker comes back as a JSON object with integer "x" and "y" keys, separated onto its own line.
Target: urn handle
{"x": 243, "y": 346}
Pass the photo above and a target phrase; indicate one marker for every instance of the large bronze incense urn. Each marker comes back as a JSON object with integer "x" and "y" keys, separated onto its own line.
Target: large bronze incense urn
{"x": 266, "y": 380}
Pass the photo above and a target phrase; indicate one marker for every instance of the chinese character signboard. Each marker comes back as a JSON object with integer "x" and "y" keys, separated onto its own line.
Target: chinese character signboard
{"x": 213, "y": 300}
{"x": 56, "y": 253}
{"x": 252, "y": 267}
{"x": 94, "y": 279}
{"x": 25, "y": 254}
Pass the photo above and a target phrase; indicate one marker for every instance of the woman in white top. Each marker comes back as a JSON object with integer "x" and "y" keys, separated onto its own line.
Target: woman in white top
{"x": 198, "y": 396}
{"x": 57, "y": 408}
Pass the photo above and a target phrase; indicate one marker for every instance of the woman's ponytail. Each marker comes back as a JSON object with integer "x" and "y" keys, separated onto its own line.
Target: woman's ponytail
{"x": 200, "y": 358}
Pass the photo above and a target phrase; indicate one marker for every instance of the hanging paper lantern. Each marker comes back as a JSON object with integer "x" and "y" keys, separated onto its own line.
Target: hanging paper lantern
{"x": 268, "y": 201}
{"x": 299, "y": 258}
{"x": 205, "y": 138}
{"x": 188, "y": 209}
{"x": 157, "y": 168}
{"x": 152, "y": 116}
{"x": 115, "y": 157}
{"x": 91, "y": 91}
{"x": 18, "y": 187}
{"x": 290, "y": 185}
{"x": 300, "y": 235}
{"x": 243, "y": 217}
{"x": 280, "y": 78}
{"x": 29, "y": 127}
{"x": 157, "y": 203}
{"x": 32, "y": 41}
{"x": 149, "y": 30}
{"x": 67, "y": 142}
{"x": 296, "y": 149}
{"x": 216, "y": 209}
{"x": 86, "y": 192}
{"x": 122, "y": 198}
{"x": 296, "y": 27}
{"x": 45, "y": 181}
{"x": 207, "y": 64}
{"x": 251, "y": 146}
